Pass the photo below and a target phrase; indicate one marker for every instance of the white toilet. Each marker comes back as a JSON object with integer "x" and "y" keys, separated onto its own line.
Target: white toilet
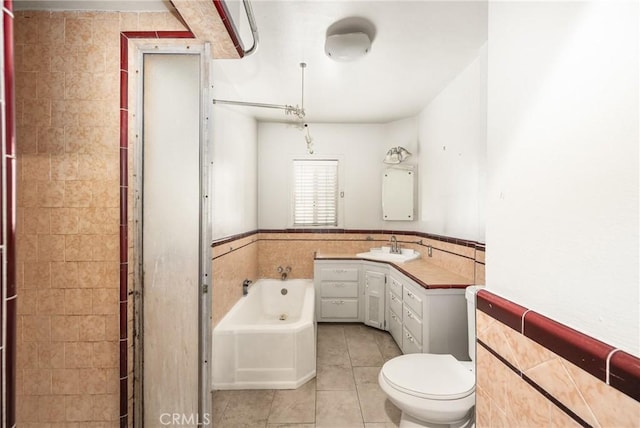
{"x": 434, "y": 390}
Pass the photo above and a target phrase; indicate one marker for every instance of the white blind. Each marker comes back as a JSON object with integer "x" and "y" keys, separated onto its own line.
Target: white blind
{"x": 315, "y": 192}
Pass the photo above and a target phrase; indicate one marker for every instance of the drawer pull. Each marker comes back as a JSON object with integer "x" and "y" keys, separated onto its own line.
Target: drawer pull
{"x": 338, "y": 302}
{"x": 410, "y": 338}
{"x": 393, "y": 298}
{"x": 340, "y": 270}
{"x": 410, "y": 294}
{"x": 339, "y": 284}
{"x": 394, "y": 317}
{"x": 409, "y": 315}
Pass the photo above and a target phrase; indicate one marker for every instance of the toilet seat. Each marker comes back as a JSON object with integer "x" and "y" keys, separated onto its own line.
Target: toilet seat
{"x": 430, "y": 376}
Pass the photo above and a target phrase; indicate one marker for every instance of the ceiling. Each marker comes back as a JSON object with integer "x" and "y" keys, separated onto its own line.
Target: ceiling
{"x": 419, "y": 46}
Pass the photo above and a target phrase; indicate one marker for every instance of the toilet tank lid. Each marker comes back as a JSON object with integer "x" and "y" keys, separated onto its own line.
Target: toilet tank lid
{"x": 431, "y": 376}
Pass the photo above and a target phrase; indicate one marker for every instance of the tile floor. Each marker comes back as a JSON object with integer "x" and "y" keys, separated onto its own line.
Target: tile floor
{"x": 344, "y": 394}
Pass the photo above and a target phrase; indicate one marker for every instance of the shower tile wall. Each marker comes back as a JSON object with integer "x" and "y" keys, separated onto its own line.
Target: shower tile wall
{"x": 67, "y": 89}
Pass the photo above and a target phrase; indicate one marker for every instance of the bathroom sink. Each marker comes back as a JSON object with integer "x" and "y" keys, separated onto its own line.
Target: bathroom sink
{"x": 385, "y": 254}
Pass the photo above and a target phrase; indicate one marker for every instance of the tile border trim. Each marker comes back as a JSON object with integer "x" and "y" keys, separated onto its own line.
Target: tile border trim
{"x": 479, "y": 246}
{"x": 593, "y": 356}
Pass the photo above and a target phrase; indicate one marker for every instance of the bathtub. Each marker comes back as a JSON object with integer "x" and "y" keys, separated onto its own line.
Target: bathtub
{"x": 268, "y": 339}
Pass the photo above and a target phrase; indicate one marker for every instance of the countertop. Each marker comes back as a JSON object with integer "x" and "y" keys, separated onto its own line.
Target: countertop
{"x": 426, "y": 274}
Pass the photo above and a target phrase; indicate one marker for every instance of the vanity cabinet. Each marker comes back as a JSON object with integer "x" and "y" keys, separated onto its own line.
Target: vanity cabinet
{"x": 337, "y": 291}
{"x": 419, "y": 320}
{"x": 427, "y": 320}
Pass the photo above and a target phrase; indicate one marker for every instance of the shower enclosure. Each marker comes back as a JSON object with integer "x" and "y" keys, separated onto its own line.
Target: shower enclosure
{"x": 171, "y": 218}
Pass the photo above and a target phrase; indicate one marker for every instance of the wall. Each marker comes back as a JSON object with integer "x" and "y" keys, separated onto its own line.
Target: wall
{"x": 67, "y": 103}
{"x": 447, "y": 139}
{"x": 562, "y": 192}
{"x": 361, "y": 147}
{"x": 452, "y": 136}
{"x": 534, "y": 372}
{"x": 257, "y": 255}
{"x": 235, "y": 170}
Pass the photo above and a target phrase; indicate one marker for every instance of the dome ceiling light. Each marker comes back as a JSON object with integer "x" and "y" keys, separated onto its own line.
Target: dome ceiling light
{"x": 349, "y": 39}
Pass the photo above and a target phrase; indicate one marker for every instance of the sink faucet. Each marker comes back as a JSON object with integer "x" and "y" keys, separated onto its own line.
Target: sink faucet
{"x": 395, "y": 249}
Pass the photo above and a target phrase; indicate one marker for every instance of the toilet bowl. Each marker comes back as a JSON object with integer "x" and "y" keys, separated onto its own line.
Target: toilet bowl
{"x": 434, "y": 390}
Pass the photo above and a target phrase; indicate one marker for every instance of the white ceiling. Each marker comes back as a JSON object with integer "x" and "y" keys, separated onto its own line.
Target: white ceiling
{"x": 419, "y": 47}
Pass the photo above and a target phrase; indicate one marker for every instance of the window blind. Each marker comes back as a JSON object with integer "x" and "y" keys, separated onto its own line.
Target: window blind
{"x": 315, "y": 192}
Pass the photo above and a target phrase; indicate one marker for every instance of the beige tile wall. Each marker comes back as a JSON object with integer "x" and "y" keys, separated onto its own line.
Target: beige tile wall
{"x": 505, "y": 399}
{"x": 259, "y": 255}
{"x": 232, "y": 263}
{"x": 67, "y": 103}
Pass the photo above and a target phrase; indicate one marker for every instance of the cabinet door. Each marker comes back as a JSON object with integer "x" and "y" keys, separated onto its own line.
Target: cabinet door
{"x": 374, "y": 299}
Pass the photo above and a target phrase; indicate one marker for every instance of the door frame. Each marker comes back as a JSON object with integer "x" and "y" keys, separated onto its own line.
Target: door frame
{"x": 189, "y": 47}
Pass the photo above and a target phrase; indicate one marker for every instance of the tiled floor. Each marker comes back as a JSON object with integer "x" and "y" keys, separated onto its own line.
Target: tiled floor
{"x": 344, "y": 394}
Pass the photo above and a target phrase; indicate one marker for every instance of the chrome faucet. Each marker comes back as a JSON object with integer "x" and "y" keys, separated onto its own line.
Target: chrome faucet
{"x": 245, "y": 286}
{"x": 395, "y": 249}
{"x": 284, "y": 272}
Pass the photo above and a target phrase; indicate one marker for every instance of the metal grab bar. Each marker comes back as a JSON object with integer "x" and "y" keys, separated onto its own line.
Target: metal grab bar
{"x": 221, "y": 7}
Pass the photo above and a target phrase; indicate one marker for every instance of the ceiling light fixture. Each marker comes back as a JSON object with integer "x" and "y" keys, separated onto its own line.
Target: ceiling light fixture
{"x": 347, "y": 47}
{"x": 297, "y": 111}
{"x": 349, "y": 39}
{"x": 395, "y": 155}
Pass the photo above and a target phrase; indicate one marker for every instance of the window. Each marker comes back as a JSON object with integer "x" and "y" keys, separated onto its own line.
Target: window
{"x": 315, "y": 192}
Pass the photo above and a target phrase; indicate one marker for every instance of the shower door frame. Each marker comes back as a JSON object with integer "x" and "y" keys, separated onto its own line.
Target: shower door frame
{"x": 203, "y": 50}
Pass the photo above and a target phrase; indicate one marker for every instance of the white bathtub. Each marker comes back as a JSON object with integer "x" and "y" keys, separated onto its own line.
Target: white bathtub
{"x": 254, "y": 349}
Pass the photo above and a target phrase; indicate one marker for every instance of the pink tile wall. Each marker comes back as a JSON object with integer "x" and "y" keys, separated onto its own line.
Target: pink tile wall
{"x": 522, "y": 383}
{"x": 259, "y": 255}
{"x": 67, "y": 87}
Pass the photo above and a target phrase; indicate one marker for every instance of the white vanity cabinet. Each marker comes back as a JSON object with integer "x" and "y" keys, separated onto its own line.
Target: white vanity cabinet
{"x": 337, "y": 291}
{"x": 419, "y": 319}
{"x": 432, "y": 320}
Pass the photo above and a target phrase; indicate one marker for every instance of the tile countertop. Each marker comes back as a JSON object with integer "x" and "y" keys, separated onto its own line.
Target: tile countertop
{"x": 421, "y": 271}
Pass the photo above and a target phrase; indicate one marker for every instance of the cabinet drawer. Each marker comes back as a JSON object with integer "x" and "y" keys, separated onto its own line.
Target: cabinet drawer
{"x": 395, "y": 303}
{"x": 409, "y": 344}
{"x": 339, "y": 274}
{"x": 339, "y": 289}
{"x": 395, "y": 327}
{"x": 396, "y": 287}
{"x": 339, "y": 308}
{"x": 413, "y": 300}
{"x": 413, "y": 323}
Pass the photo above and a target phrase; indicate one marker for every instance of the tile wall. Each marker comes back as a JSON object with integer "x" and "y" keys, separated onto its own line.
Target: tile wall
{"x": 259, "y": 255}
{"x": 522, "y": 383}
{"x": 67, "y": 113}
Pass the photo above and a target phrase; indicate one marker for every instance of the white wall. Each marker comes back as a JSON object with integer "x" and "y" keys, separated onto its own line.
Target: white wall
{"x": 562, "y": 207}
{"x": 235, "y": 166}
{"x": 452, "y": 138}
{"x": 361, "y": 147}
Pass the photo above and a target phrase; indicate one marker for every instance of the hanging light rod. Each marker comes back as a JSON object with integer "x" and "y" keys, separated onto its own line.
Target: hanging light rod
{"x": 297, "y": 111}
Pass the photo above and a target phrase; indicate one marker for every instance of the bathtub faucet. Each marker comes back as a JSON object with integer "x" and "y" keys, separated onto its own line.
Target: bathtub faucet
{"x": 245, "y": 286}
{"x": 284, "y": 272}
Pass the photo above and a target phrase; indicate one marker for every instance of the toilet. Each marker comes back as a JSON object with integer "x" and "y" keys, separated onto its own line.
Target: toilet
{"x": 434, "y": 390}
